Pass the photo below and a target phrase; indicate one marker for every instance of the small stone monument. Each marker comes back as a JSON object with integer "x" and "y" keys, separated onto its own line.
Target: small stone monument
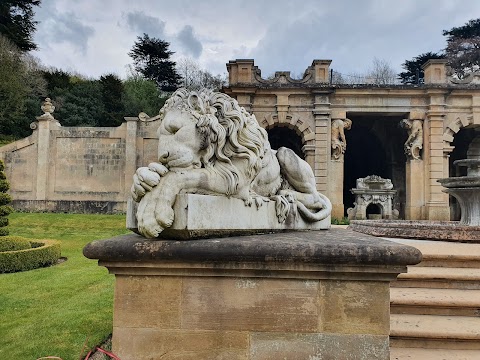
{"x": 290, "y": 295}
{"x": 375, "y": 190}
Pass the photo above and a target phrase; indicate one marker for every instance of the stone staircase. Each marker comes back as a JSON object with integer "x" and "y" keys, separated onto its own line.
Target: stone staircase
{"x": 435, "y": 307}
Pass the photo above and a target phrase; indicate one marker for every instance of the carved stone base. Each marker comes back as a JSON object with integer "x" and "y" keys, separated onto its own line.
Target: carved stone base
{"x": 305, "y": 295}
{"x": 199, "y": 216}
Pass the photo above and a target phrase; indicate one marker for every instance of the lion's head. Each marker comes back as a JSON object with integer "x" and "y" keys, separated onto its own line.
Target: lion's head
{"x": 209, "y": 129}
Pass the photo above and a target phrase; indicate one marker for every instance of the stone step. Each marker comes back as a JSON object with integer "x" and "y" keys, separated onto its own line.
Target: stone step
{"x": 434, "y": 332}
{"x": 425, "y": 301}
{"x": 445, "y": 254}
{"x": 433, "y": 354}
{"x": 437, "y": 277}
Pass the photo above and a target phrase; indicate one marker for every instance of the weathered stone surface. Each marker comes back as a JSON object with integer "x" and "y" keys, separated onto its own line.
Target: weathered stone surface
{"x": 200, "y": 216}
{"x": 143, "y": 292}
{"x": 410, "y": 229}
{"x": 354, "y": 307}
{"x": 251, "y": 304}
{"x": 334, "y": 246}
{"x": 318, "y": 346}
{"x": 148, "y": 344}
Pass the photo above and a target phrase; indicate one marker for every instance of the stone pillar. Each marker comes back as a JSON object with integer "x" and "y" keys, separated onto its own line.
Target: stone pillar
{"x": 437, "y": 207}
{"x": 130, "y": 153}
{"x": 435, "y": 71}
{"x": 292, "y": 296}
{"x": 415, "y": 189}
{"x": 336, "y": 172}
{"x": 321, "y": 112}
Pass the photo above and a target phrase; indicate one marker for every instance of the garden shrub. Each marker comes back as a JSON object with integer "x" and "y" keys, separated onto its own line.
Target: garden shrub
{"x": 42, "y": 253}
{"x": 5, "y": 199}
{"x": 14, "y": 243}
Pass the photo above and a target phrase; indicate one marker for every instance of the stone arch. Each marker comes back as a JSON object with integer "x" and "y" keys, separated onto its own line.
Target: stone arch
{"x": 298, "y": 125}
{"x": 453, "y": 128}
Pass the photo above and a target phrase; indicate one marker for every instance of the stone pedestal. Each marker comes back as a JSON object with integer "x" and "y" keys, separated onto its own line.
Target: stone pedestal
{"x": 300, "y": 295}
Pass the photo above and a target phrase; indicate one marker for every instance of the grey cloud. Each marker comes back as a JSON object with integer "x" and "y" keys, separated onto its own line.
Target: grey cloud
{"x": 67, "y": 28}
{"x": 189, "y": 42}
{"x": 140, "y": 22}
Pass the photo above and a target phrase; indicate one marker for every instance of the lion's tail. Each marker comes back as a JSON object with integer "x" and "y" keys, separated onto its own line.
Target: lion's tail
{"x": 308, "y": 215}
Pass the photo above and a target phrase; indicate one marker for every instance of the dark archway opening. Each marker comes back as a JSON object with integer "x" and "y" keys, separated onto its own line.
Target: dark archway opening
{"x": 461, "y": 142}
{"x": 283, "y": 136}
{"x": 373, "y": 209}
{"x": 375, "y": 147}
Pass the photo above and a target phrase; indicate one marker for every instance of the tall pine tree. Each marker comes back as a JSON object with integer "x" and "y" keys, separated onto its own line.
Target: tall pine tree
{"x": 151, "y": 58}
{"x": 463, "y": 48}
{"x": 17, "y": 24}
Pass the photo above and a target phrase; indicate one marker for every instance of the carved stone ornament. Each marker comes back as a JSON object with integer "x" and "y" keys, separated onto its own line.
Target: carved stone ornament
{"x": 376, "y": 190}
{"x": 210, "y": 145}
{"x": 339, "y": 144}
{"x": 414, "y": 143}
{"x": 48, "y": 108}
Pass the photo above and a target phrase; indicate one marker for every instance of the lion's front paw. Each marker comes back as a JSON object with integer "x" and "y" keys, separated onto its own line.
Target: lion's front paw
{"x": 164, "y": 215}
{"x": 149, "y": 227}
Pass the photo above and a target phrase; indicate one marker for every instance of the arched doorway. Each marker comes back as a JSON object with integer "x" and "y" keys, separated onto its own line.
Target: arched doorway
{"x": 283, "y": 136}
{"x": 375, "y": 147}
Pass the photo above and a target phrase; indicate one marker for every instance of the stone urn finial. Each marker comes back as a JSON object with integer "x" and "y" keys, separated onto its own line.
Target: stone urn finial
{"x": 47, "y": 106}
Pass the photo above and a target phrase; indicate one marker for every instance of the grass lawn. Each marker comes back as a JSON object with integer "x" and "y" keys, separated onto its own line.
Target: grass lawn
{"x": 53, "y": 311}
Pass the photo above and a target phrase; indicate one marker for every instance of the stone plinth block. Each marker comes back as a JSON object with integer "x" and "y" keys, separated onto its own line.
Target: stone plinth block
{"x": 301, "y": 295}
{"x": 198, "y": 216}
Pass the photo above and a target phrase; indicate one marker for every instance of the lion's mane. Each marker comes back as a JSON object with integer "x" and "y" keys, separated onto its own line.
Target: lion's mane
{"x": 230, "y": 133}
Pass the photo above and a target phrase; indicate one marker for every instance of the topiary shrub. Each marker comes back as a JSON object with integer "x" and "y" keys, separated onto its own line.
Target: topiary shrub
{"x": 14, "y": 243}
{"x": 5, "y": 199}
{"x": 42, "y": 253}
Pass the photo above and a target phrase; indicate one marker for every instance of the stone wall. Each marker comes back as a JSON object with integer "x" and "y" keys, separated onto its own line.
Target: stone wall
{"x": 77, "y": 169}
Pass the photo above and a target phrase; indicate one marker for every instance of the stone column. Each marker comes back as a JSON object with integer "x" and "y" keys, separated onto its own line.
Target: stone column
{"x": 415, "y": 166}
{"x": 437, "y": 207}
{"x": 130, "y": 152}
{"x": 321, "y": 112}
{"x": 415, "y": 189}
{"x": 44, "y": 124}
{"x": 336, "y": 170}
{"x": 290, "y": 296}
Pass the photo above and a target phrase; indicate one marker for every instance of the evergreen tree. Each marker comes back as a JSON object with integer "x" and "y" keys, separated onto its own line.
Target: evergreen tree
{"x": 81, "y": 104}
{"x": 5, "y": 200}
{"x": 16, "y": 22}
{"x": 463, "y": 48}
{"x": 141, "y": 95}
{"x": 413, "y": 73}
{"x": 151, "y": 58}
{"x": 112, "y": 93}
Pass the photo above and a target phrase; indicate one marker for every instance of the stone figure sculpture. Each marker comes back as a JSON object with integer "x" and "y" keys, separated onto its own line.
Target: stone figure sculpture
{"x": 339, "y": 144}
{"x": 414, "y": 143}
{"x": 210, "y": 145}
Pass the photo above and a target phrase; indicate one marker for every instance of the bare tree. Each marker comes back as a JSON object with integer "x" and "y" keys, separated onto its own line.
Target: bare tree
{"x": 381, "y": 73}
{"x": 194, "y": 77}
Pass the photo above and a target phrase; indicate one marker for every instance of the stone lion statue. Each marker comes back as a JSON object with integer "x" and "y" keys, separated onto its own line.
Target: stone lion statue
{"x": 208, "y": 144}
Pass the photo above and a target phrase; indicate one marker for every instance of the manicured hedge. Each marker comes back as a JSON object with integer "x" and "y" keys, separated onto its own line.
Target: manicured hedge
{"x": 42, "y": 253}
{"x": 13, "y": 243}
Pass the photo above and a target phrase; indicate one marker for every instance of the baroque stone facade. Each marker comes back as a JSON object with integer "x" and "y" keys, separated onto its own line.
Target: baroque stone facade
{"x": 410, "y": 134}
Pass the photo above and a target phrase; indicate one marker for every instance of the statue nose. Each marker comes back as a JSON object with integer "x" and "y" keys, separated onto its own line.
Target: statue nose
{"x": 163, "y": 156}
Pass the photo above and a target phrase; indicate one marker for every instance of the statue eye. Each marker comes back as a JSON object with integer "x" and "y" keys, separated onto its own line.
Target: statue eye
{"x": 172, "y": 128}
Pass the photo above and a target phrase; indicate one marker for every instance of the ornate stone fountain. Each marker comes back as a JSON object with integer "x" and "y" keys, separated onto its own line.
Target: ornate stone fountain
{"x": 466, "y": 189}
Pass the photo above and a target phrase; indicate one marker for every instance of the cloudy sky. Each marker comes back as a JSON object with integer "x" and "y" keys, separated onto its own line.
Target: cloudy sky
{"x": 93, "y": 37}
